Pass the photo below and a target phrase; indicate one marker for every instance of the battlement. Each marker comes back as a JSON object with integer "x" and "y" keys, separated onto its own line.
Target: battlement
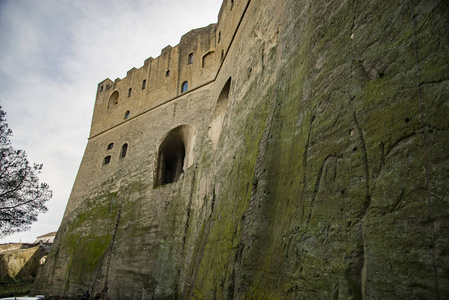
{"x": 193, "y": 63}
{"x": 177, "y": 70}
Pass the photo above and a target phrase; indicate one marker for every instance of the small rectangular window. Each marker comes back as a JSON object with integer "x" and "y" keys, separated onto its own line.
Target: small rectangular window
{"x": 144, "y": 84}
{"x": 129, "y": 92}
{"x": 167, "y": 73}
{"x": 190, "y": 58}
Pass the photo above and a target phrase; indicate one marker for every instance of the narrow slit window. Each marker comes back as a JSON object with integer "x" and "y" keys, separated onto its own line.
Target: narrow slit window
{"x": 144, "y": 84}
{"x": 127, "y": 114}
{"x": 110, "y": 146}
{"x": 167, "y": 73}
{"x": 190, "y": 61}
{"x": 124, "y": 150}
{"x": 184, "y": 87}
{"x": 107, "y": 160}
{"x": 129, "y": 92}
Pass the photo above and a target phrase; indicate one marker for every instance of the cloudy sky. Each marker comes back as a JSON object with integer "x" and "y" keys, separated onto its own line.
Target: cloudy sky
{"x": 53, "y": 53}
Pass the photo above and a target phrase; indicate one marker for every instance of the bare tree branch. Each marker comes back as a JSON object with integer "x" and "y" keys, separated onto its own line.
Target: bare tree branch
{"x": 22, "y": 198}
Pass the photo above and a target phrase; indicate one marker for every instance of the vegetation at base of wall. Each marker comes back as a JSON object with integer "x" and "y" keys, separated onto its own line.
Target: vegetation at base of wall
{"x": 10, "y": 287}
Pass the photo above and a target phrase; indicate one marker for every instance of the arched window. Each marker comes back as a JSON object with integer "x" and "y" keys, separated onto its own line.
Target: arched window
{"x": 174, "y": 155}
{"x": 113, "y": 100}
{"x": 127, "y": 114}
{"x": 184, "y": 87}
{"x": 107, "y": 160}
{"x": 190, "y": 60}
{"x": 124, "y": 150}
{"x": 110, "y": 146}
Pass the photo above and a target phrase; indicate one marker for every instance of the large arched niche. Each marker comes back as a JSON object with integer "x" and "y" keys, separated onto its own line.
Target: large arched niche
{"x": 219, "y": 113}
{"x": 113, "y": 100}
{"x": 175, "y": 155}
{"x": 208, "y": 59}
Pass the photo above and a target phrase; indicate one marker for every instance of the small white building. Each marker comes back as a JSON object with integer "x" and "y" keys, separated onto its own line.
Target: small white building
{"x": 46, "y": 238}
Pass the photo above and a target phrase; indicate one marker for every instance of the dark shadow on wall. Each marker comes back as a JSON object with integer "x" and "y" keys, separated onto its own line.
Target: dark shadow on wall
{"x": 174, "y": 155}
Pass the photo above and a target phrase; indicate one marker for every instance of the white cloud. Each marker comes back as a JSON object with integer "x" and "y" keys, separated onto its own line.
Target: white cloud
{"x": 54, "y": 53}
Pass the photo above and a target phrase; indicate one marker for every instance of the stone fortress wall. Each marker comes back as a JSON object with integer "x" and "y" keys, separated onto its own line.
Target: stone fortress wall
{"x": 151, "y": 94}
{"x": 306, "y": 160}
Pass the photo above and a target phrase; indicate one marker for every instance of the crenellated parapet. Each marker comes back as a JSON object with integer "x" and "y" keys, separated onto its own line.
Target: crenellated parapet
{"x": 180, "y": 69}
{"x": 193, "y": 63}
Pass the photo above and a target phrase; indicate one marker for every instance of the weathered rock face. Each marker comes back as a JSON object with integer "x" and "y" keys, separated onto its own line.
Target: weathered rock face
{"x": 19, "y": 265}
{"x": 316, "y": 162}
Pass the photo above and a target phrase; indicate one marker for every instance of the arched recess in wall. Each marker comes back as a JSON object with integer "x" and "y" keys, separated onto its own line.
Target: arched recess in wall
{"x": 208, "y": 59}
{"x": 113, "y": 100}
{"x": 175, "y": 155}
{"x": 219, "y": 113}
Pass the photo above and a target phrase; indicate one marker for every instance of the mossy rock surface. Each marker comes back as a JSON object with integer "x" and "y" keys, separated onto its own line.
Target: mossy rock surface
{"x": 329, "y": 179}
